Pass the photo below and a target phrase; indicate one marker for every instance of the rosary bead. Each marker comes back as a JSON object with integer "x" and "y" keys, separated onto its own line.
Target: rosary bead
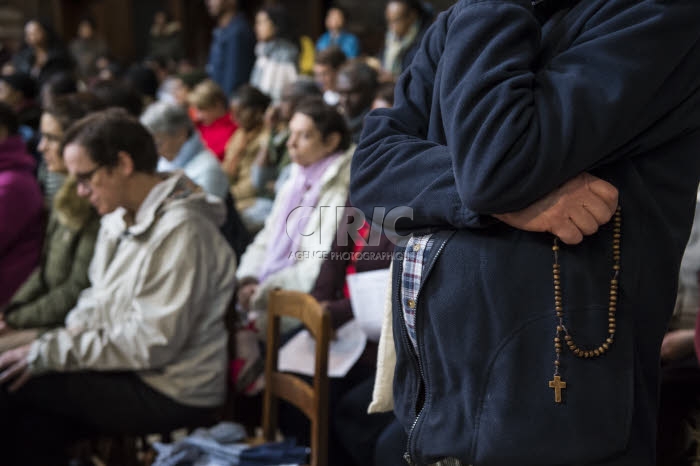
{"x": 612, "y": 306}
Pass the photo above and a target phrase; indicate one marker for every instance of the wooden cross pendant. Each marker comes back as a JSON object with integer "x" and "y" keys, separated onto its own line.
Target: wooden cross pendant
{"x": 558, "y": 385}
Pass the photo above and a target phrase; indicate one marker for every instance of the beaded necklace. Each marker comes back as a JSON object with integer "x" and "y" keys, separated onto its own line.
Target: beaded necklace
{"x": 557, "y": 383}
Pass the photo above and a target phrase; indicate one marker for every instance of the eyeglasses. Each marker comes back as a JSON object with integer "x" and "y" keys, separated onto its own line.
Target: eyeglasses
{"x": 84, "y": 180}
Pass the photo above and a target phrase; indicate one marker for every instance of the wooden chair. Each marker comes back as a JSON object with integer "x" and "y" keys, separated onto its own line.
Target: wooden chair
{"x": 311, "y": 400}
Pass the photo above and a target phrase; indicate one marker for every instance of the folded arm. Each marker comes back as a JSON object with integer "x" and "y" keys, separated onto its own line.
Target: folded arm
{"x": 481, "y": 128}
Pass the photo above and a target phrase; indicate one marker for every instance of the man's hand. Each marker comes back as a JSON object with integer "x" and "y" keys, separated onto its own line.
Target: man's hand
{"x": 574, "y": 210}
{"x": 245, "y": 293}
{"x": 677, "y": 344}
{"x": 273, "y": 117}
{"x": 14, "y": 366}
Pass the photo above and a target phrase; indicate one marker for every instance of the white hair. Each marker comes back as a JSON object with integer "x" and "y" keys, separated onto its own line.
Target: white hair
{"x": 164, "y": 117}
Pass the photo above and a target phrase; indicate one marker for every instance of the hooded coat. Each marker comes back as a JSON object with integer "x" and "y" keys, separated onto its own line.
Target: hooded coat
{"x": 53, "y": 288}
{"x": 155, "y": 307}
{"x": 21, "y": 216}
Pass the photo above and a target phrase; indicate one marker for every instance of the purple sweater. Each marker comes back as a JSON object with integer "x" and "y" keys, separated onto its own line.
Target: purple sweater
{"x": 21, "y": 217}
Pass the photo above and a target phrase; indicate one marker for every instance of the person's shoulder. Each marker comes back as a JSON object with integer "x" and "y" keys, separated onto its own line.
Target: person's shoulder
{"x": 187, "y": 202}
{"x": 349, "y": 36}
{"x": 206, "y": 157}
{"x": 204, "y": 160}
{"x": 238, "y": 26}
{"x": 284, "y": 50}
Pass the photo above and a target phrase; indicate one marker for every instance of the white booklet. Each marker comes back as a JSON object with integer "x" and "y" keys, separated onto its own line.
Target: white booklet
{"x": 298, "y": 355}
{"x": 367, "y": 296}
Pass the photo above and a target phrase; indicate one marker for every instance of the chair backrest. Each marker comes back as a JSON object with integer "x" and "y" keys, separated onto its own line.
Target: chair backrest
{"x": 311, "y": 400}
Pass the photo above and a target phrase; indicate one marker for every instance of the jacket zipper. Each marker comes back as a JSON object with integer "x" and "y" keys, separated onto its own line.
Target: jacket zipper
{"x": 404, "y": 335}
{"x": 407, "y": 456}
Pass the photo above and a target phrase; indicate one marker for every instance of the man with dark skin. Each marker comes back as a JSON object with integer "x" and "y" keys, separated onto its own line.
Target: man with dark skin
{"x": 356, "y": 85}
{"x": 231, "y": 55}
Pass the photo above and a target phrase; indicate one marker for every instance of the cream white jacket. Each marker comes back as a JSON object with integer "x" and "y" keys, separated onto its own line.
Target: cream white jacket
{"x": 159, "y": 291}
{"x": 310, "y": 251}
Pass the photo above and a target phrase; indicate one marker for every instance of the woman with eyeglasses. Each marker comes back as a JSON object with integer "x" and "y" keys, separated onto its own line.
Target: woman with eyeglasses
{"x": 48, "y": 294}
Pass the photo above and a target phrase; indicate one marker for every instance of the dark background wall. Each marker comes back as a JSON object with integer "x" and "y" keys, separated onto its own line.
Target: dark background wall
{"x": 125, "y": 23}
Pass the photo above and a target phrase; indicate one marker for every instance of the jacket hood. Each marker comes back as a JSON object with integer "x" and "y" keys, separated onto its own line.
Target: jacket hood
{"x": 70, "y": 209}
{"x": 176, "y": 193}
{"x": 14, "y": 156}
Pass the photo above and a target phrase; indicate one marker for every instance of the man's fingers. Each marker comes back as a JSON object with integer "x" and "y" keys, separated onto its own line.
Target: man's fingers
{"x": 599, "y": 209}
{"x": 584, "y": 221}
{"x": 604, "y": 190}
{"x": 568, "y": 232}
{"x": 12, "y": 372}
{"x": 6, "y": 360}
{"x": 21, "y": 380}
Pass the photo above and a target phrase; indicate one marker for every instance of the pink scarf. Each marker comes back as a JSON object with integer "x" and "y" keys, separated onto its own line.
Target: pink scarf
{"x": 305, "y": 191}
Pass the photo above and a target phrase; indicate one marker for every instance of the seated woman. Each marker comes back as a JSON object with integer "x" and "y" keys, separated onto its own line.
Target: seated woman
{"x": 144, "y": 349}
{"x": 53, "y": 288}
{"x": 249, "y": 106}
{"x": 180, "y": 147}
{"x": 276, "y": 52}
{"x": 289, "y": 250}
{"x": 21, "y": 208}
{"x": 211, "y": 116}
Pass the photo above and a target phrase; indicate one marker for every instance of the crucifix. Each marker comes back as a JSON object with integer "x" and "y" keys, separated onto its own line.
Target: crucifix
{"x": 558, "y": 385}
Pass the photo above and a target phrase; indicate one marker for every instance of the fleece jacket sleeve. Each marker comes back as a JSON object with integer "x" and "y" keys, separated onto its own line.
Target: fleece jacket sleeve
{"x": 482, "y": 126}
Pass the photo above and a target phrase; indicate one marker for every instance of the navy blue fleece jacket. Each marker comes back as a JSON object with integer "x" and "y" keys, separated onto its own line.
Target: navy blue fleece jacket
{"x": 497, "y": 110}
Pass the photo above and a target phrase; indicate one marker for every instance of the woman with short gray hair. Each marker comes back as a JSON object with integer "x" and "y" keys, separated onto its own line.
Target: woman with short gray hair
{"x": 180, "y": 147}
